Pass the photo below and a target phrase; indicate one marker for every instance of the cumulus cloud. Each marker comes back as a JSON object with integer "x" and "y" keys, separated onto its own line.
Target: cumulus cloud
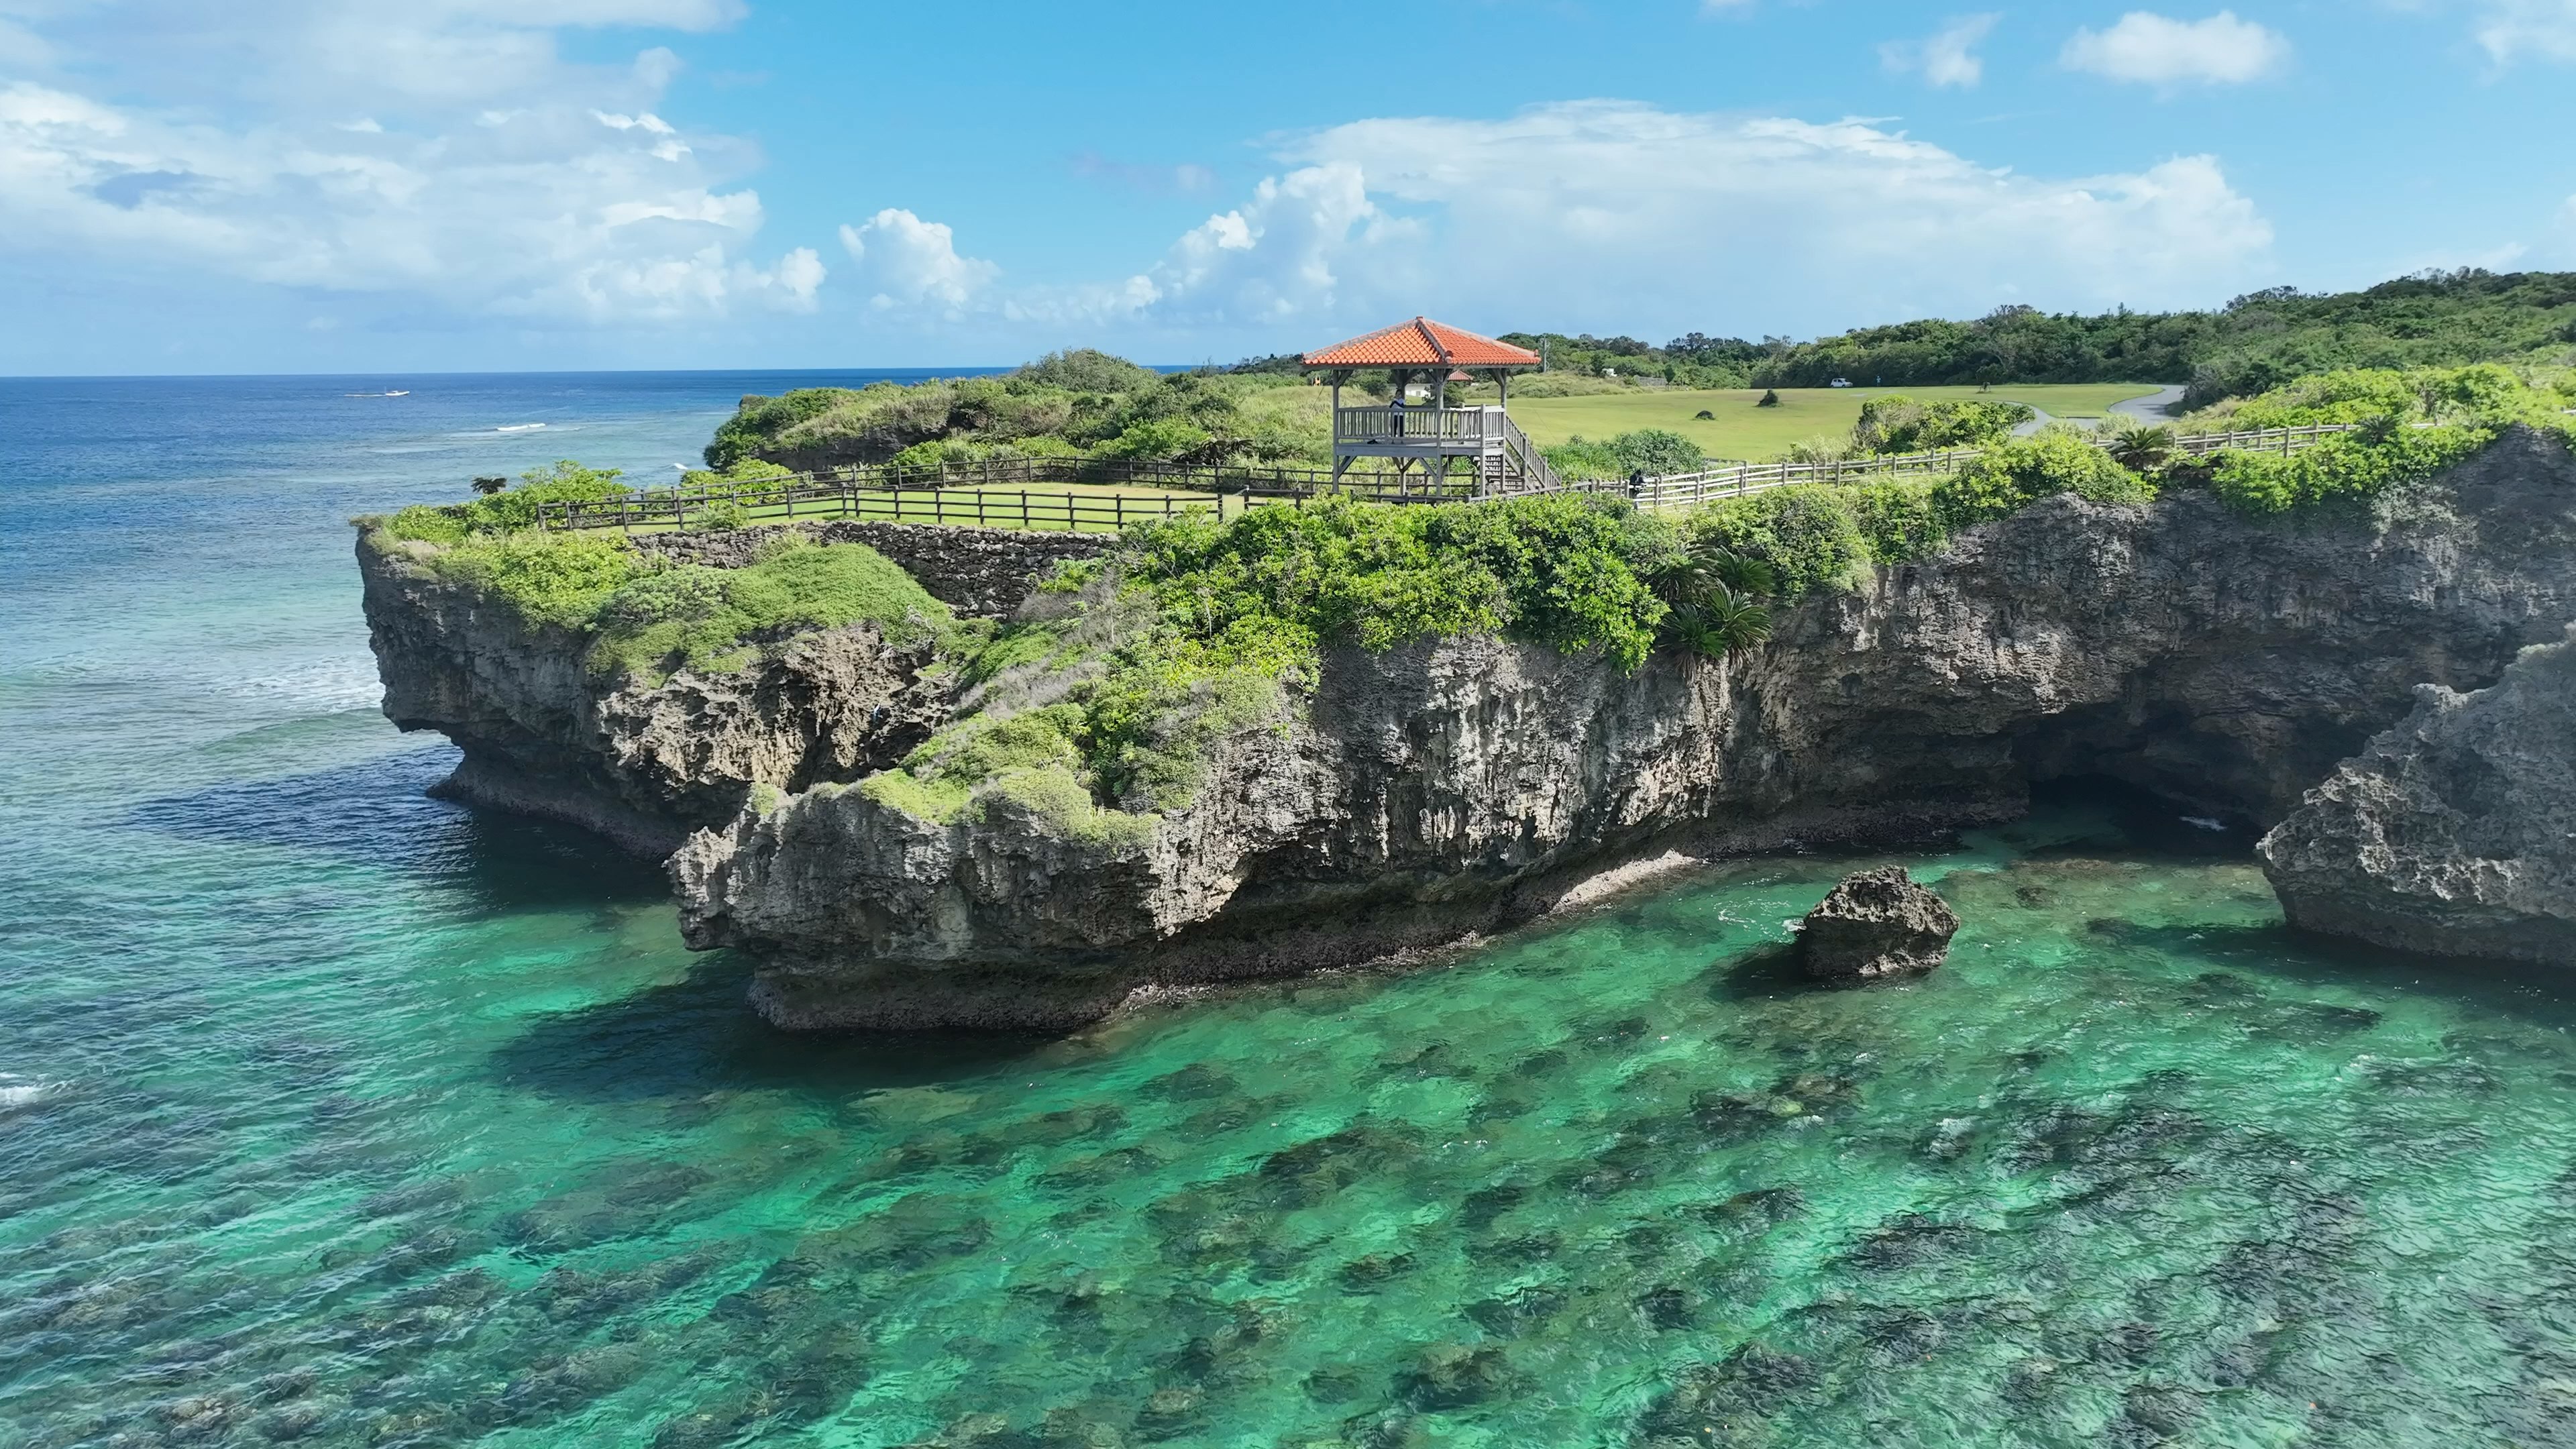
{"x": 2150, "y": 49}
{"x": 575, "y": 202}
{"x": 1949, "y": 57}
{"x": 1611, "y": 209}
{"x": 912, "y": 263}
{"x": 1625, "y": 215}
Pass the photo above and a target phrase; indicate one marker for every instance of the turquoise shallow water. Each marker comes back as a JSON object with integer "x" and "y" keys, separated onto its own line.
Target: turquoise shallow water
{"x": 335, "y": 1115}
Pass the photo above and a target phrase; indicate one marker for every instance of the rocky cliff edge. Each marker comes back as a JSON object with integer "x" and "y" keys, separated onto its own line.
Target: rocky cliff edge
{"x": 1439, "y": 790}
{"x": 2454, "y": 833}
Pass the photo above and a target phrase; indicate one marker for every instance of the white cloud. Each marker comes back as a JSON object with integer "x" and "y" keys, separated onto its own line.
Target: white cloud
{"x": 1622, "y": 215}
{"x": 912, "y": 263}
{"x": 484, "y": 173}
{"x": 1949, "y": 57}
{"x": 1611, "y": 209}
{"x": 2151, "y": 49}
{"x": 2515, "y": 29}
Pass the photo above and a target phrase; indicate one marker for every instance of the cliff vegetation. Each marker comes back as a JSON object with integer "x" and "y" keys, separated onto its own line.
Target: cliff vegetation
{"x": 648, "y": 616}
{"x": 1079, "y": 403}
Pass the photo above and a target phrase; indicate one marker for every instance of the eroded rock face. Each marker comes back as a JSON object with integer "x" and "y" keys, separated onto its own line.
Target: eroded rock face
{"x": 1874, "y": 924}
{"x": 1434, "y": 791}
{"x": 641, "y": 764}
{"x": 2454, "y": 833}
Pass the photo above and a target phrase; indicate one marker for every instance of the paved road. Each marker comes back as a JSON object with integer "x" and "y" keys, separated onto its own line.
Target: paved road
{"x": 2154, "y": 408}
{"x": 2158, "y": 408}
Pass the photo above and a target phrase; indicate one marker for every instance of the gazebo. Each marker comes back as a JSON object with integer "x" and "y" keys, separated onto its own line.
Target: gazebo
{"x": 1432, "y": 437}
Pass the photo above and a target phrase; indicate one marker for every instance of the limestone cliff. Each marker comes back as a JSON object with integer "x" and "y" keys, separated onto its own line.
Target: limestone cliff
{"x": 2454, "y": 833}
{"x": 1438, "y": 790}
{"x": 641, "y": 764}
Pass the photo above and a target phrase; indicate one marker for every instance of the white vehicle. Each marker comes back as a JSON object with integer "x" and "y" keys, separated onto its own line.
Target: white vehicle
{"x": 1842, "y": 382}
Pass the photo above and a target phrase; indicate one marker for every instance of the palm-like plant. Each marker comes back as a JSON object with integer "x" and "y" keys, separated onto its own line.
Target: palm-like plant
{"x": 1712, "y": 592}
{"x": 2142, "y": 447}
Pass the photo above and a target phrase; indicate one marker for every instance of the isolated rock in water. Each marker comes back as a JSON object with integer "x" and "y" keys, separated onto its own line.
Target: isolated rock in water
{"x": 2449, "y": 834}
{"x": 1877, "y": 923}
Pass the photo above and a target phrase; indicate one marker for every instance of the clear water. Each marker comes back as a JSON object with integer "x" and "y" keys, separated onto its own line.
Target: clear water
{"x": 334, "y": 1115}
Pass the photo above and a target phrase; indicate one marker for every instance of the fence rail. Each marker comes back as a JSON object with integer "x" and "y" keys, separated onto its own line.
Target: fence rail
{"x": 1681, "y": 490}
{"x": 973, "y": 494}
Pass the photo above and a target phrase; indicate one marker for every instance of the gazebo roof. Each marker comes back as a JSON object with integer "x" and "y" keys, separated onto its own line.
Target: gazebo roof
{"x": 1423, "y": 343}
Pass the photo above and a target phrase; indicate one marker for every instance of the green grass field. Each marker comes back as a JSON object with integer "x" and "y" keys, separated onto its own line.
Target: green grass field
{"x": 1756, "y": 434}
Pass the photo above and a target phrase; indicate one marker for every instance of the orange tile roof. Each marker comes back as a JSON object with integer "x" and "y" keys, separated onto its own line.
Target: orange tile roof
{"x": 1423, "y": 343}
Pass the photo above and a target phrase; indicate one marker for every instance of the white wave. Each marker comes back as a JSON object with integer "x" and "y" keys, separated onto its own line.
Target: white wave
{"x": 2204, "y": 822}
{"x": 15, "y": 1095}
{"x": 518, "y": 427}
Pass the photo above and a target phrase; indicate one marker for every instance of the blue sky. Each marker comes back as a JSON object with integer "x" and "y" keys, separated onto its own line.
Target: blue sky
{"x": 325, "y": 185}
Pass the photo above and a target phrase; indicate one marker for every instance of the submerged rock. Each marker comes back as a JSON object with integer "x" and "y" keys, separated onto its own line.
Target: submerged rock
{"x": 1877, "y": 923}
{"x": 2449, "y": 834}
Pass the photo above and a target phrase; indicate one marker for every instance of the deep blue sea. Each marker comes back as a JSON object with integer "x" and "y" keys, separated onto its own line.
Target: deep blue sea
{"x": 334, "y": 1115}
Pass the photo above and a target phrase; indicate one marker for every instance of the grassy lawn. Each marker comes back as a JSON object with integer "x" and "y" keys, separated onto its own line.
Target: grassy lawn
{"x": 1741, "y": 430}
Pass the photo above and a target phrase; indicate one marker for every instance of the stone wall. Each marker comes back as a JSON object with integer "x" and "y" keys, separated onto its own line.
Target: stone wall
{"x": 981, "y": 571}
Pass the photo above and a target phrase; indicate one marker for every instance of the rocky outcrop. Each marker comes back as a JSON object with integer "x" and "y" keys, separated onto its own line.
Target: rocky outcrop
{"x": 2454, "y": 833}
{"x": 1875, "y": 924}
{"x": 979, "y": 571}
{"x": 1434, "y": 791}
{"x": 641, "y": 764}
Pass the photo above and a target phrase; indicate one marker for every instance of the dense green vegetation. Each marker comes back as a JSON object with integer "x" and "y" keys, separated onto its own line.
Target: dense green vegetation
{"x": 2412, "y": 425}
{"x": 2255, "y": 343}
{"x": 1196, "y": 631}
{"x": 1081, "y": 403}
{"x": 1900, "y": 424}
{"x": 512, "y": 508}
{"x": 1651, "y": 451}
{"x": 649, "y": 616}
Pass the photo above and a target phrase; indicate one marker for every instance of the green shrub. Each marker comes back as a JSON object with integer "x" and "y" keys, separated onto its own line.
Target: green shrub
{"x": 721, "y": 515}
{"x": 1156, "y": 440}
{"x": 1808, "y": 534}
{"x": 2011, "y": 477}
{"x": 2352, "y": 468}
{"x": 2484, "y": 393}
{"x": 748, "y": 474}
{"x": 559, "y": 580}
{"x": 1651, "y": 451}
{"x": 982, "y": 747}
{"x": 1578, "y": 458}
{"x": 1553, "y": 569}
{"x": 426, "y": 523}
{"x": 1085, "y": 369}
{"x": 675, "y": 616}
{"x": 1900, "y": 424}
{"x": 1655, "y": 451}
{"x": 1898, "y": 519}
{"x": 563, "y": 482}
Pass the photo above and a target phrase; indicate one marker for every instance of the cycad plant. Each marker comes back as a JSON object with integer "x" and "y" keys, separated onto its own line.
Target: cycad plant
{"x": 1714, "y": 593}
{"x": 2142, "y": 447}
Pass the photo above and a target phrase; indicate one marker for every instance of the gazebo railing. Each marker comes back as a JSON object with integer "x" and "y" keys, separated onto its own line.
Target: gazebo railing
{"x": 1391, "y": 426}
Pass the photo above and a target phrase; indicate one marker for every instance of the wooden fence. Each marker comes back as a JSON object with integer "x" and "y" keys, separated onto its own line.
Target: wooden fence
{"x": 972, "y": 493}
{"x": 1682, "y": 490}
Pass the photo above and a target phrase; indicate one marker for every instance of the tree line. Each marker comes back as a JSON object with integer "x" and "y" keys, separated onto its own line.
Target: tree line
{"x": 2255, "y": 343}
